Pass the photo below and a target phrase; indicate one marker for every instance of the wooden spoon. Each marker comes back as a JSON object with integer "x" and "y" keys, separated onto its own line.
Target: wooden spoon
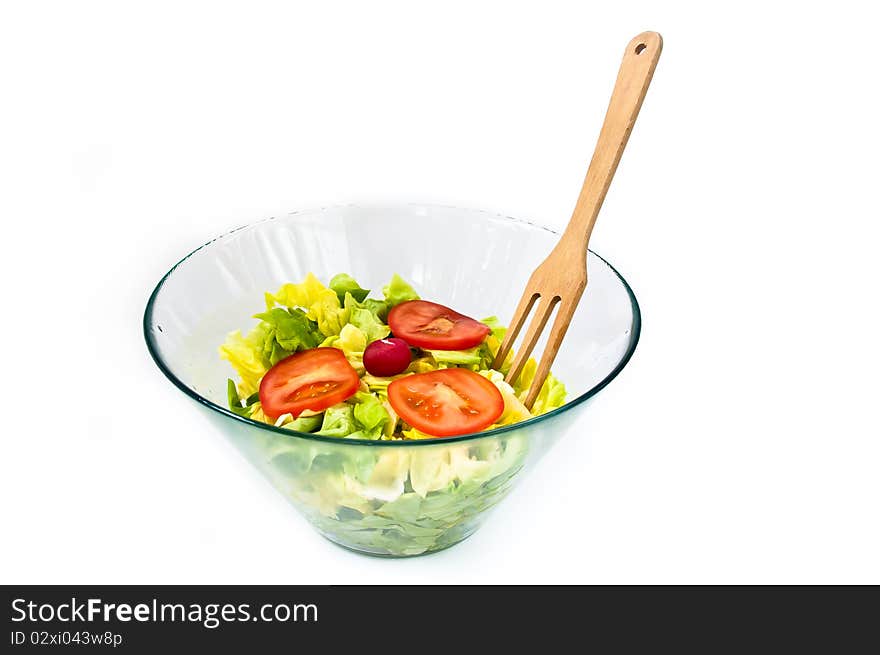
{"x": 562, "y": 277}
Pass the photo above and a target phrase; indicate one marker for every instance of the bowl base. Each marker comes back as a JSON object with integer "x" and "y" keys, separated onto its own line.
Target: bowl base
{"x": 368, "y": 553}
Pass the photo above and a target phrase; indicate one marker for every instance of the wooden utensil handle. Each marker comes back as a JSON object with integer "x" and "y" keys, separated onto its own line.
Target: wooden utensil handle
{"x": 636, "y": 71}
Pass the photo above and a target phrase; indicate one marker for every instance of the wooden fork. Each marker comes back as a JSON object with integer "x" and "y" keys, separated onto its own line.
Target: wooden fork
{"x": 562, "y": 277}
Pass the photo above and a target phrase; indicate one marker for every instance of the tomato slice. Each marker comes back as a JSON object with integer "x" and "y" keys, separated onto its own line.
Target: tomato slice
{"x": 429, "y": 325}
{"x": 446, "y": 402}
{"x": 312, "y": 379}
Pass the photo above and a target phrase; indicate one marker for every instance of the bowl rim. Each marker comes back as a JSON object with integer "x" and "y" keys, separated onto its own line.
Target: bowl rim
{"x": 225, "y": 411}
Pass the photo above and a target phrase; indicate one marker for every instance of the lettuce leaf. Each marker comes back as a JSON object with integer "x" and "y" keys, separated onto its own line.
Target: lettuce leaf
{"x": 235, "y": 404}
{"x": 304, "y": 295}
{"x": 352, "y": 342}
{"x": 292, "y": 331}
{"x": 431, "y": 469}
{"x": 405, "y": 508}
{"x": 397, "y": 501}
{"x": 524, "y": 381}
{"x": 412, "y": 433}
{"x": 322, "y": 305}
{"x": 305, "y": 423}
{"x": 386, "y": 479}
{"x": 393, "y": 418}
{"x": 422, "y": 365}
{"x": 398, "y": 291}
{"x": 308, "y": 423}
{"x": 369, "y": 414}
{"x": 257, "y": 414}
{"x": 476, "y": 358}
{"x": 365, "y": 317}
{"x": 279, "y": 334}
{"x": 378, "y": 307}
{"x": 338, "y": 421}
{"x": 361, "y": 417}
{"x": 498, "y": 330}
{"x": 378, "y": 384}
{"x": 551, "y": 396}
{"x": 344, "y": 283}
{"x": 493, "y": 343}
{"x": 514, "y": 409}
{"x": 248, "y": 356}
{"x": 329, "y": 314}
{"x": 470, "y": 357}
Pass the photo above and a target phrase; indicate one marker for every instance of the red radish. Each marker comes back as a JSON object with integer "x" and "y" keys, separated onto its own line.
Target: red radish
{"x": 386, "y": 357}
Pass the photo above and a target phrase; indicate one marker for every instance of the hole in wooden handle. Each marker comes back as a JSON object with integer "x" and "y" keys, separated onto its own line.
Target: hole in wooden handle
{"x": 640, "y": 48}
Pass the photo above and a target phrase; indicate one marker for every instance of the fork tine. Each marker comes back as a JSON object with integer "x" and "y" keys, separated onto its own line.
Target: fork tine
{"x": 554, "y": 341}
{"x": 542, "y": 315}
{"x": 519, "y": 318}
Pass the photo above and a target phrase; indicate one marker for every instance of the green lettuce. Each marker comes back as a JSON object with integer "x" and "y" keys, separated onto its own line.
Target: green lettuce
{"x": 378, "y": 384}
{"x": 279, "y": 334}
{"x": 363, "y": 416}
{"x": 378, "y": 307}
{"x": 352, "y": 342}
{"x": 493, "y": 343}
{"x": 329, "y": 314}
{"x": 344, "y": 283}
{"x": 338, "y": 421}
{"x": 469, "y": 357}
{"x": 370, "y": 415}
{"x": 476, "y": 358}
{"x": 305, "y": 294}
{"x": 365, "y": 317}
{"x": 235, "y": 403}
{"x": 398, "y": 291}
{"x": 248, "y": 357}
{"x": 305, "y": 423}
{"x": 514, "y": 409}
{"x": 402, "y": 501}
{"x": 321, "y": 304}
{"x": 498, "y": 330}
{"x": 551, "y": 396}
{"x": 292, "y": 331}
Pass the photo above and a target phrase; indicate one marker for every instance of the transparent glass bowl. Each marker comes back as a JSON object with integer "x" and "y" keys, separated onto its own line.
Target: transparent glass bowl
{"x": 385, "y": 498}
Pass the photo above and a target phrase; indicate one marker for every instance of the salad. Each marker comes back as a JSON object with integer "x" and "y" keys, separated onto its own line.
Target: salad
{"x": 330, "y": 360}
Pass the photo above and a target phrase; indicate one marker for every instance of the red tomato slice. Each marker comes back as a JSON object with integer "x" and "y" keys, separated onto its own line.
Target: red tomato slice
{"x": 312, "y": 379}
{"x": 446, "y": 402}
{"x": 429, "y": 325}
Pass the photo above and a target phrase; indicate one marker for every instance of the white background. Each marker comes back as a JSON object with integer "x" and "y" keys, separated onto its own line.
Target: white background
{"x": 739, "y": 446}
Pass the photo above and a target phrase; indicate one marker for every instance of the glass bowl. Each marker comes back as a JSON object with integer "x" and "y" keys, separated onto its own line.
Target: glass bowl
{"x": 397, "y": 498}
